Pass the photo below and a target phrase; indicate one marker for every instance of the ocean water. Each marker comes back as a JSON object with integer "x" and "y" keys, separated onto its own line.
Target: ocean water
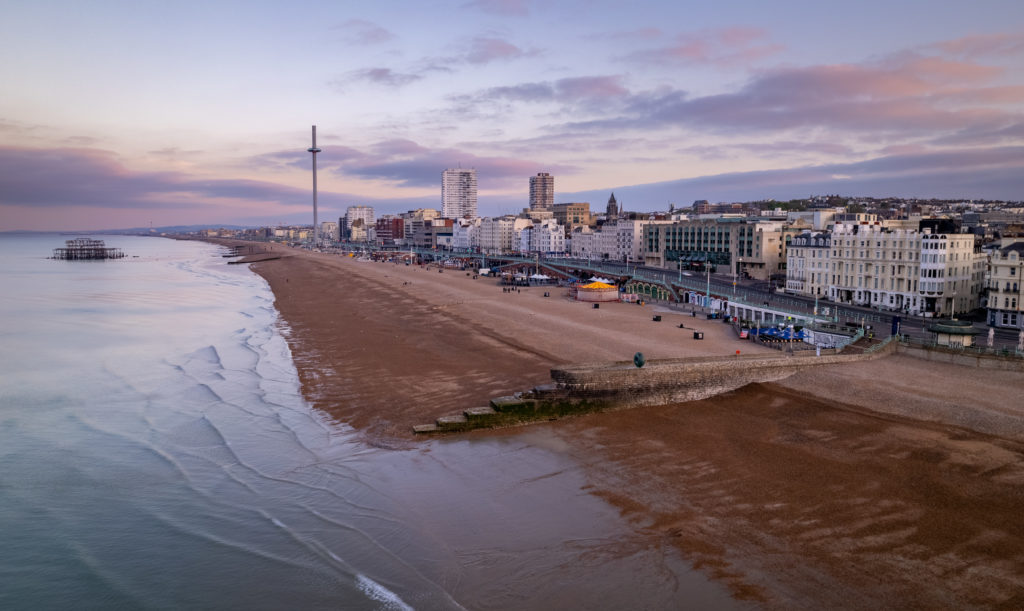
{"x": 156, "y": 453}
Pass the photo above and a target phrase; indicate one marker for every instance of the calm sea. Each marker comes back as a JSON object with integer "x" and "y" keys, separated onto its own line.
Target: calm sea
{"x": 155, "y": 452}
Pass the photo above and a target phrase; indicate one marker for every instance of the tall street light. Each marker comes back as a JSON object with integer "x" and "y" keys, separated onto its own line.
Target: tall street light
{"x": 316, "y": 225}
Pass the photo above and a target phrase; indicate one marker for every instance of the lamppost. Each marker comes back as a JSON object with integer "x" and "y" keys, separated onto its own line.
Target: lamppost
{"x": 707, "y": 267}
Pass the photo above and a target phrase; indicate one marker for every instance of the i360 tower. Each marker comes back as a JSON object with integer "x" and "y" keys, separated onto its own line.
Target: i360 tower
{"x": 316, "y": 224}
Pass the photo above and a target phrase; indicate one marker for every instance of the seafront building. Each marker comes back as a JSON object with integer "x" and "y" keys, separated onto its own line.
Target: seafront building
{"x": 749, "y": 248}
{"x": 458, "y": 193}
{"x": 390, "y": 230}
{"x": 358, "y": 223}
{"x": 542, "y": 191}
{"x": 808, "y": 264}
{"x": 501, "y": 235}
{"x": 544, "y": 237}
{"x": 466, "y": 235}
{"x": 414, "y": 220}
{"x": 1006, "y": 286}
{"x": 622, "y": 239}
{"x": 581, "y": 242}
{"x": 329, "y": 231}
{"x": 915, "y": 272}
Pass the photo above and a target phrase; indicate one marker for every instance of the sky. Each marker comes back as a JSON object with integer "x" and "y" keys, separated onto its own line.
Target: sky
{"x": 137, "y": 113}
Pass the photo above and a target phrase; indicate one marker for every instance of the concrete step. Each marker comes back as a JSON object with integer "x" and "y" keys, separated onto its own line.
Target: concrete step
{"x": 425, "y": 428}
{"x": 512, "y": 404}
{"x": 456, "y": 422}
{"x": 479, "y": 412}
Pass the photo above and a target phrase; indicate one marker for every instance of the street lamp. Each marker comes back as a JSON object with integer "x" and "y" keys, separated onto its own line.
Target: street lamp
{"x": 707, "y": 267}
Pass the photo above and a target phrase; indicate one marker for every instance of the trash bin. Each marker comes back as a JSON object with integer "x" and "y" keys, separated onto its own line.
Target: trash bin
{"x": 698, "y": 335}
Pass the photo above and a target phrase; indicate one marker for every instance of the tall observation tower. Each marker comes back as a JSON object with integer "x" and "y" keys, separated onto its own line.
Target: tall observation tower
{"x": 316, "y": 224}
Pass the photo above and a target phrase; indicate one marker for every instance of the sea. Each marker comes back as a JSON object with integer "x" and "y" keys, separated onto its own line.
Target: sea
{"x": 156, "y": 452}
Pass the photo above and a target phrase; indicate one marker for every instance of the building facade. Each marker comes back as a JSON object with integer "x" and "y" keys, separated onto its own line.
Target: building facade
{"x": 329, "y": 231}
{"x": 542, "y": 191}
{"x": 466, "y": 235}
{"x": 391, "y": 230}
{"x": 547, "y": 237}
{"x": 500, "y": 235}
{"x": 363, "y": 214}
{"x": 808, "y": 264}
{"x": 748, "y": 248}
{"x": 902, "y": 270}
{"x": 572, "y": 214}
{"x": 458, "y": 193}
{"x": 1006, "y": 288}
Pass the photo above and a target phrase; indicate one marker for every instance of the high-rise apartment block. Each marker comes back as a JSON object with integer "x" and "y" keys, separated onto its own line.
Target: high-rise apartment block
{"x": 542, "y": 191}
{"x": 458, "y": 194}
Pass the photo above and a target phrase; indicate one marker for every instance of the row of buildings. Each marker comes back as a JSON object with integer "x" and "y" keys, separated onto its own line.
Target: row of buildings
{"x": 884, "y": 254}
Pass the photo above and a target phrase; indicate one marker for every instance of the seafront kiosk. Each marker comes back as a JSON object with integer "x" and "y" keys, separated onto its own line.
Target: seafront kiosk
{"x": 954, "y": 333}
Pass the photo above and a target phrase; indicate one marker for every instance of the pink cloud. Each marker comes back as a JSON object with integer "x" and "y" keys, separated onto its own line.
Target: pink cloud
{"x": 1009, "y": 94}
{"x": 484, "y": 50}
{"x": 379, "y": 76}
{"x": 1001, "y": 44}
{"x": 409, "y": 164}
{"x": 724, "y": 47}
{"x": 519, "y": 8}
{"x": 943, "y": 70}
{"x": 643, "y": 34}
{"x": 589, "y": 87}
{"x": 362, "y": 32}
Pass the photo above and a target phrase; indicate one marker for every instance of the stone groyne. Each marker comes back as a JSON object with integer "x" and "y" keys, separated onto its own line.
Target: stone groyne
{"x": 582, "y": 389}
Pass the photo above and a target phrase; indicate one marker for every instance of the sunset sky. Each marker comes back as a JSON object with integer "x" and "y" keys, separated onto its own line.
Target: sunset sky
{"x": 122, "y": 114}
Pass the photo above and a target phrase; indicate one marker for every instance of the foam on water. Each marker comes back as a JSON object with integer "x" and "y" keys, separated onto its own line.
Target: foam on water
{"x": 389, "y": 600}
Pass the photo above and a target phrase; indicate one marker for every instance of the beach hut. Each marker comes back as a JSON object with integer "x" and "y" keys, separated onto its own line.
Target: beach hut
{"x": 597, "y": 291}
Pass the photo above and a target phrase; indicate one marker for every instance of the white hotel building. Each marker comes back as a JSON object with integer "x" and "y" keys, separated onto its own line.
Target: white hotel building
{"x": 809, "y": 264}
{"x": 1006, "y": 287}
{"x": 902, "y": 270}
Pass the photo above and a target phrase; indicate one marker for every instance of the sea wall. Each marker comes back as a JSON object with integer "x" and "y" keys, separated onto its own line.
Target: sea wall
{"x": 961, "y": 357}
{"x": 678, "y": 380}
{"x": 588, "y": 388}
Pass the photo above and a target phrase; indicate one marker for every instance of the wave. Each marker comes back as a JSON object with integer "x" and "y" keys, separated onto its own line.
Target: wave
{"x": 377, "y": 592}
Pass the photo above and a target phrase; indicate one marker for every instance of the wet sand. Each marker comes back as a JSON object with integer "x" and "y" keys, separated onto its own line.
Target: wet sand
{"x": 802, "y": 494}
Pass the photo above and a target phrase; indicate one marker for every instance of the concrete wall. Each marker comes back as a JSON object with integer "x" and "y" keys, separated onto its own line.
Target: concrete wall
{"x": 678, "y": 380}
{"x": 968, "y": 359}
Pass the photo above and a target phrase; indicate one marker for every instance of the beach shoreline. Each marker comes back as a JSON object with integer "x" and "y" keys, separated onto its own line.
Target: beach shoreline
{"x": 843, "y": 485}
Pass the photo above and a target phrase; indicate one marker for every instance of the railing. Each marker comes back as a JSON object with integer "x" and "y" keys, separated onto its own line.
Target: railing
{"x": 977, "y": 350}
{"x": 885, "y": 342}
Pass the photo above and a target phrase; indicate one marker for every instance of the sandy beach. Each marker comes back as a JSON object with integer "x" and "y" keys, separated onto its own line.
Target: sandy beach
{"x": 891, "y": 483}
